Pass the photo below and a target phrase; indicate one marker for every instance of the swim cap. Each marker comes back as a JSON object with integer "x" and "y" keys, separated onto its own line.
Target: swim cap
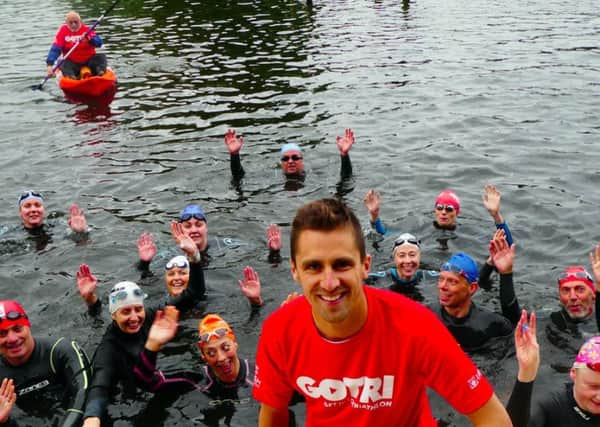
{"x": 11, "y": 314}
{"x": 192, "y": 211}
{"x": 589, "y": 355}
{"x": 464, "y": 265}
{"x": 448, "y": 197}
{"x": 289, "y": 147}
{"x": 124, "y": 294}
{"x": 407, "y": 239}
{"x": 29, "y": 194}
{"x": 178, "y": 261}
{"x": 576, "y": 273}
{"x": 213, "y": 327}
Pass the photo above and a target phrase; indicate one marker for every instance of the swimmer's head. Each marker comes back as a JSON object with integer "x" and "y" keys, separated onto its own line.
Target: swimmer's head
{"x": 177, "y": 275}
{"x": 407, "y": 255}
{"x": 31, "y": 209}
{"x": 576, "y": 292}
{"x": 193, "y": 221}
{"x": 586, "y": 376}
{"x": 446, "y": 209}
{"x": 464, "y": 265}
{"x": 292, "y": 161}
{"x": 16, "y": 341}
{"x": 218, "y": 347}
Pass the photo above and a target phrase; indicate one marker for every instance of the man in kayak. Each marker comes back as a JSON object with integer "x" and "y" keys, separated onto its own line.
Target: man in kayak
{"x": 360, "y": 356}
{"x": 83, "y": 61}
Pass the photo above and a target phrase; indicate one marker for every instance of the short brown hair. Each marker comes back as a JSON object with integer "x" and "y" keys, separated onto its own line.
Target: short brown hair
{"x": 326, "y": 215}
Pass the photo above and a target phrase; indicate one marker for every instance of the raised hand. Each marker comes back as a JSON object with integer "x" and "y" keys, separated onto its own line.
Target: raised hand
{"x": 503, "y": 256}
{"x": 527, "y": 348}
{"x": 595, "y": 261}
{"x": 491, "y": 201}
{"x": 250, "y": 286}
{"x": 77, "y": 221}
{"x": 146, "y": 247}
{"x": 289, "y": 298}
{"x": 184, "y": 241}
{"x": 8, "y": 397}
{"x": 233, "y": 143}
{"x": 274, "y": 237}
{"x": 345, "y": 142}
{"x": 163, "y": 329}
{"x": 86, "y": 282}
{"x": 372, "y": 201}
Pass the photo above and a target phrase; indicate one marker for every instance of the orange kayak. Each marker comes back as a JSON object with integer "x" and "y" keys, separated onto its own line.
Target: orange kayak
{"x": 93, "y": 86}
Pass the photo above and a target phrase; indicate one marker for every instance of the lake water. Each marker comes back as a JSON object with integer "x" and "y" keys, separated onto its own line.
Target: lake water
{"x": 440, "y": 94}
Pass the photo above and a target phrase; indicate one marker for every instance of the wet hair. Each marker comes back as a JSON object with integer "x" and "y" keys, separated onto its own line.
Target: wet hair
{"x": 326, "y": 215}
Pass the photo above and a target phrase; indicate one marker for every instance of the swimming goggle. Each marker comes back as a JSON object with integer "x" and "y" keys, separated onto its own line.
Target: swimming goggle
{"x": 577, "y": 274}
{"x": 454, "y": 269}
{"x": 121, "y": 295}
{"x": 447, "y": 208}
{"x": 180, "y": 263}
{"x": 294, "y": 157}
{"x": 400, "y": 241}
{"x": 27, "y": 194}
{"x": 217, "y": 333}
{"x": 187, "y": 216}
{"x": 13, "y": 315}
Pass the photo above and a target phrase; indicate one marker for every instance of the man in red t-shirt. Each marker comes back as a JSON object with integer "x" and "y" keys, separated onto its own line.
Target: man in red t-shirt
{"x": 360, "y": 356}
{"x": 85, "y": 54}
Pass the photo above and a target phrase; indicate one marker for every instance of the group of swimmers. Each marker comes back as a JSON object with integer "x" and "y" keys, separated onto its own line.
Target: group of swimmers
{"x": 127, "y": 353}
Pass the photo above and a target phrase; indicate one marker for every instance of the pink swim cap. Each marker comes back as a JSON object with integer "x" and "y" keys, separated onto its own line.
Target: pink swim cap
{"x": 448, "y": 197}
{"x": 589, "y": 355}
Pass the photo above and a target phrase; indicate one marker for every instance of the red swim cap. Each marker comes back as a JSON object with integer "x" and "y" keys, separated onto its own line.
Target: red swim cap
{"x": 576, "y": 273}
{"x": 11, "y": 313}
{"x": 448, "y": 197}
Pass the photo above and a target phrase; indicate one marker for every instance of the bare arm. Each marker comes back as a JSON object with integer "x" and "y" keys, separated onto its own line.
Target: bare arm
{"x": 269, "y": 416}
{"x": 492, "y": 414}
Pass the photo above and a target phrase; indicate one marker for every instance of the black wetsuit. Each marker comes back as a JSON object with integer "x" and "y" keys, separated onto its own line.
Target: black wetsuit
{"x": 411, "y": 287}
{"x": 569, "y": 334}
{"x": 480, "y": 324}
{"x": 118, "y": 351}
{"x": 557, "y": 409}
{"x": 57, "y": 370}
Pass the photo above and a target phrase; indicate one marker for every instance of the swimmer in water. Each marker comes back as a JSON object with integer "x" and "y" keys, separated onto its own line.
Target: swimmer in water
{"x": 33, "y": 213}
{"x": 290, "y": 155}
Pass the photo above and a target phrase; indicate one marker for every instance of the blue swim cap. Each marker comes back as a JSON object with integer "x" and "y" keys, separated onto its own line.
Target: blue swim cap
{"x": 464, "y": 265}
{"x": 192, "y": 211}
{"x": 289, "y": 147}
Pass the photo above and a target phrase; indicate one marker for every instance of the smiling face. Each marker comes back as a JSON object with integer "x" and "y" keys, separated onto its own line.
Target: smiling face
{"x": 577, "y": 298}
{"x": 328, "y": 266}
{"x": 16, "y": 344}
{"x": 444, "y": 215}
{"x": 221, "y": 357}
{"x": 177, "y": 280}
{"x": 407, "y": 259}
{"x": 32, "y": 213}
{"x": 130, "y": 318}
{"x": 586, "y": 389}
{"x": 292, "y": 162}
{"x": 198, "y": 231}
{"x": 455, "y": 292}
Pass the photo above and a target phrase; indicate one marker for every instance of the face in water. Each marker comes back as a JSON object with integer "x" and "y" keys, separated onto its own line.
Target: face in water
{"x": 197, "y": 230}
{"x": 177, "y": 279}
{"x": 577, "y": 299}
{"x": 130, "y": 318}
{"x": 16, "y": 344}
{"x": 407, "y": 258}
{"x": 586, "y": 389}
{"x": 32, "y": 213}
{"x": 292, "y": 163}
{"x": 221, "y": 357}
{"x": 454, "y": 291}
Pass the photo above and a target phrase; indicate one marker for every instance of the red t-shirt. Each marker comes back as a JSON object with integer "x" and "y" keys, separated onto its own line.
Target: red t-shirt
{"x": 376, "y": 377}
{"x": 65, "y": 39}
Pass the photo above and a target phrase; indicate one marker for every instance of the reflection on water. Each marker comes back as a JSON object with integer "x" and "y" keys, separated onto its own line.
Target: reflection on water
{"x": 451, "y": 95}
